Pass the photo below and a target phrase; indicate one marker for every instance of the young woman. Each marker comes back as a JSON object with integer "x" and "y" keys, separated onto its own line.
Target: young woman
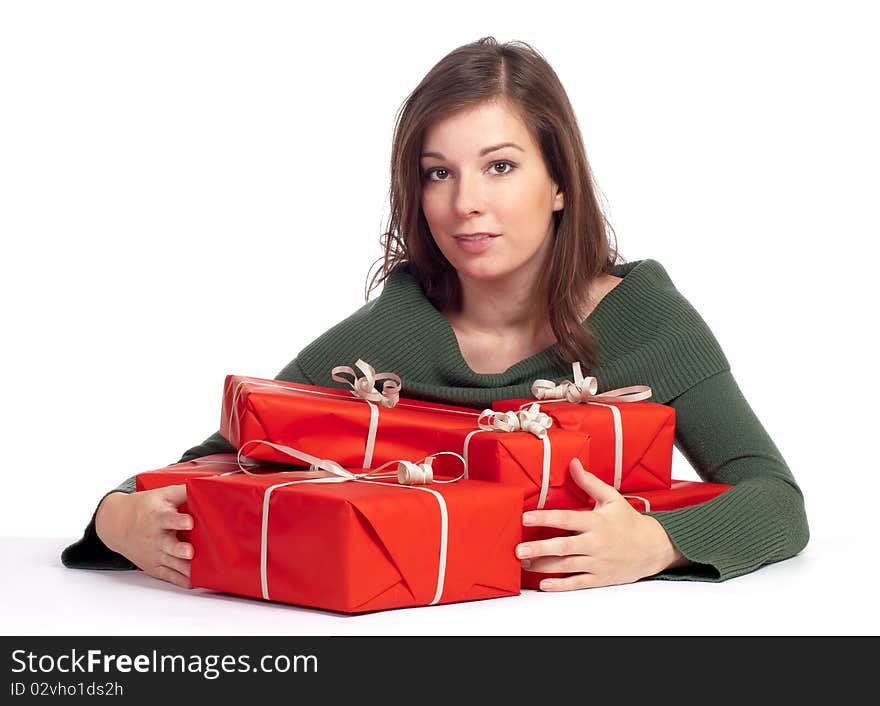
{"x": 497, "y": 271}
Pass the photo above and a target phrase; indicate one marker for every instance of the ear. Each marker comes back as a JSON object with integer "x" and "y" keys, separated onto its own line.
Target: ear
{"x": 558, "y": 200}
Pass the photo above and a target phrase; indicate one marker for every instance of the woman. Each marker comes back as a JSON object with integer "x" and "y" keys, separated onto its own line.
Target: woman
{"x": 498, "y": 271}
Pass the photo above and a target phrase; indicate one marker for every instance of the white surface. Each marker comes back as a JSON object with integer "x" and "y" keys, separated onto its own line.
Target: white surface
{"x": 191, "y": 189}
{"x": 820, "y": 592}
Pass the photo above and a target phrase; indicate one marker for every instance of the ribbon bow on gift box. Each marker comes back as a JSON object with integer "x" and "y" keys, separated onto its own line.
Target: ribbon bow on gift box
{"x": 532, "y": 420}
{"x": 365, "y": 387}
{"x": 583, "y": 389}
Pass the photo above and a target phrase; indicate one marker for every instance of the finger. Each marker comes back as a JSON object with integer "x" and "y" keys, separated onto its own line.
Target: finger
{"x": 171, "y": 545}
{"x": 173, "y": 520}
{"x": 179, "y": 565}
{"x": 555, "y": 546}
{"x": 168, "y": 574}
{"x": 571, "y": 583}
{"x": 559, "y": 564}
{"x": 175, "y": 494}
{"x": 573, "y": 520}
{"x": 593, "y": 486}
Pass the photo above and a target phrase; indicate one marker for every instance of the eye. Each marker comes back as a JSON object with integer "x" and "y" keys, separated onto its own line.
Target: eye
{"x": 507, "y": 171}
{"x": 429, "y": 172}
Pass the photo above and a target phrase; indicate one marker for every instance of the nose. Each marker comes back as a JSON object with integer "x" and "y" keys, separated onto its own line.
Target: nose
{"x": 469, "y": 195}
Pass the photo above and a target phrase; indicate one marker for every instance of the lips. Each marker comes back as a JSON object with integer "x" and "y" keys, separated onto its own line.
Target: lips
{"x": 475, "y": 236}
{"x": 475, "y": 243}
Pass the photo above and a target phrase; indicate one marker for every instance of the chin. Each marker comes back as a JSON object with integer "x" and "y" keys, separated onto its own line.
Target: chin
{"x": 483, "y": 273}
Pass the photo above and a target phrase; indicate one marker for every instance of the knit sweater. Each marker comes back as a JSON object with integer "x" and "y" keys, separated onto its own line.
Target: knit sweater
{"x": 648, "y": 334}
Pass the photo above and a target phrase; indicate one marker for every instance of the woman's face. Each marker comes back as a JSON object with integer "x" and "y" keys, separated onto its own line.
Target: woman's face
{"x": 472, "y": 184}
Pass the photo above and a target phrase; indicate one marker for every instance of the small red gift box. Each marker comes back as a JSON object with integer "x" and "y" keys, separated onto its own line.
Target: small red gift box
{"x": 499, "y": 450}
{"x": 357, "y": 545}
{"x": 330, "y": 422}
{"x": 682, "y": 493}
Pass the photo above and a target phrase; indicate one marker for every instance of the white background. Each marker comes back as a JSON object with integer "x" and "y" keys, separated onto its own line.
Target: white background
{"x": 193, "y": 189}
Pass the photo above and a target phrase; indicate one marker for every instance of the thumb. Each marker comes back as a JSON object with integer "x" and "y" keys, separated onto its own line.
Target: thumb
{"x": 175, "y": 494}
{"x": 597, "y": 489}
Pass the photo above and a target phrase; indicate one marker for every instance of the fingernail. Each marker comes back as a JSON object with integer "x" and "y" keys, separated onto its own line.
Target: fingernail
{"x": 526, "y": 563}
{"x": 522, "y": 551}
{"x": 547, "y": 583}
{"x": 188, "y": 524}
{"x": 528, "y": 519}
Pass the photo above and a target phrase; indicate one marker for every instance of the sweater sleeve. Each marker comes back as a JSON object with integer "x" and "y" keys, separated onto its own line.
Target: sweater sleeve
{"x": 89, "y": 552}
{"x": 761, "y": 519}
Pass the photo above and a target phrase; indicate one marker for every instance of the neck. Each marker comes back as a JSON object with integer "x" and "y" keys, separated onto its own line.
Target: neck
{"x": 502, "y": 307}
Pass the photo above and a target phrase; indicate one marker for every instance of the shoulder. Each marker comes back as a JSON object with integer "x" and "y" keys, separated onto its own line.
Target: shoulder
{"x": 645, "y": 285}
{"x": 651, "y": 333}
{"x": 647, "y": 272}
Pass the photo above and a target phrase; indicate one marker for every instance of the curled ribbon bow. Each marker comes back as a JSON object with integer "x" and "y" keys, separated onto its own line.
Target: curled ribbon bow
{"x": 328, "y": 471}
{"x": 365, "y": 387}
{"x": 531, "y": 420}
{"x": 583, "y": 389}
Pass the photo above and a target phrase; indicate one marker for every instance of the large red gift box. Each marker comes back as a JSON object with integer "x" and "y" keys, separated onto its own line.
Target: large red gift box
{"x": 357, "y": 545}
{"x": 259, "y": 415}
{"x": 630, "y": 442}
{"x": 681, "y": 493}
{"x": 178, "y": 473}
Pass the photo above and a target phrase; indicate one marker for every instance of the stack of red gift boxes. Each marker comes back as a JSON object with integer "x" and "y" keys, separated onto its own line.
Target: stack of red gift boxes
{"x": 362, "y": 500}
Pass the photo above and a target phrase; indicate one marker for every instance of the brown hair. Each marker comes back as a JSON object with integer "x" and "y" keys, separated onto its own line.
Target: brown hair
{"x": 474, "y": 73}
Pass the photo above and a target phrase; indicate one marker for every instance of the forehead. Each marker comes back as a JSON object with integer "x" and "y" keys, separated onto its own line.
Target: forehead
{"x": 469, "y": 130}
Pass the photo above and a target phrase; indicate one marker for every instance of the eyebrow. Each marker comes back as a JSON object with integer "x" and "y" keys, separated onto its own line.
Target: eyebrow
{"x": 483, "y": 152}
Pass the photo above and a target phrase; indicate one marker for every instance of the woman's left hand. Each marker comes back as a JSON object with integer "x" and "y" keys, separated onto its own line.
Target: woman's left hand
{"x": 611, "y": 544}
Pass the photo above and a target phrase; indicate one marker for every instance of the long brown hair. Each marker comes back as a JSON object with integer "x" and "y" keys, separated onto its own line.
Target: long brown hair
{"x": 474, "y": 73}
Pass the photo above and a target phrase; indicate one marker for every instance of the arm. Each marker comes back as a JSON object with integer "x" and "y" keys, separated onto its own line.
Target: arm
{"x": 91, "y": 552}
{"x": 759, "y": 521}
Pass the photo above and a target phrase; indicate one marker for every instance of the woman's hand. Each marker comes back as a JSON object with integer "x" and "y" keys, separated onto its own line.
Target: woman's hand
{"x": 143, "y": 528}
{"x": 611, "y": 544}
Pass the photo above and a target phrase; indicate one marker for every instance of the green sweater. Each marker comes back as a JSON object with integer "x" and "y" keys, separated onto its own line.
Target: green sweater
{"x": 648, "y": 334}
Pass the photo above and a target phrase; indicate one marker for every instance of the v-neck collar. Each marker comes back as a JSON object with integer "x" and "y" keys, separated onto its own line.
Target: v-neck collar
{"x": 597, "y": 320}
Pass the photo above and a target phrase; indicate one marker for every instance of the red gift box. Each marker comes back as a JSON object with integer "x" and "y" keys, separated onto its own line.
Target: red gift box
{"x": 178, "y": 473}
{"x": 681, "y": 493}
{"x": 536, "y": 461}
{"x": 330, "y": 422}
{"x": 354, "y": 546}
{"x": 630, "y": 442}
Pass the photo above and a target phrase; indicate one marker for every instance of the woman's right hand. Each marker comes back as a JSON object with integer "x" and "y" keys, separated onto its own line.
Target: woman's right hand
{"x": 143, "y": 526}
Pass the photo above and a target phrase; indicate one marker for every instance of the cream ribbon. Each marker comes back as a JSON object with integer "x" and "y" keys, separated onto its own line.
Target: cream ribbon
{"x": 583, "y": 390}
{"x": 531, "y": 420}
{"x": 389, "y": 397}
{"x": 365, "y": 387}
{"x": 409, "y": 475}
